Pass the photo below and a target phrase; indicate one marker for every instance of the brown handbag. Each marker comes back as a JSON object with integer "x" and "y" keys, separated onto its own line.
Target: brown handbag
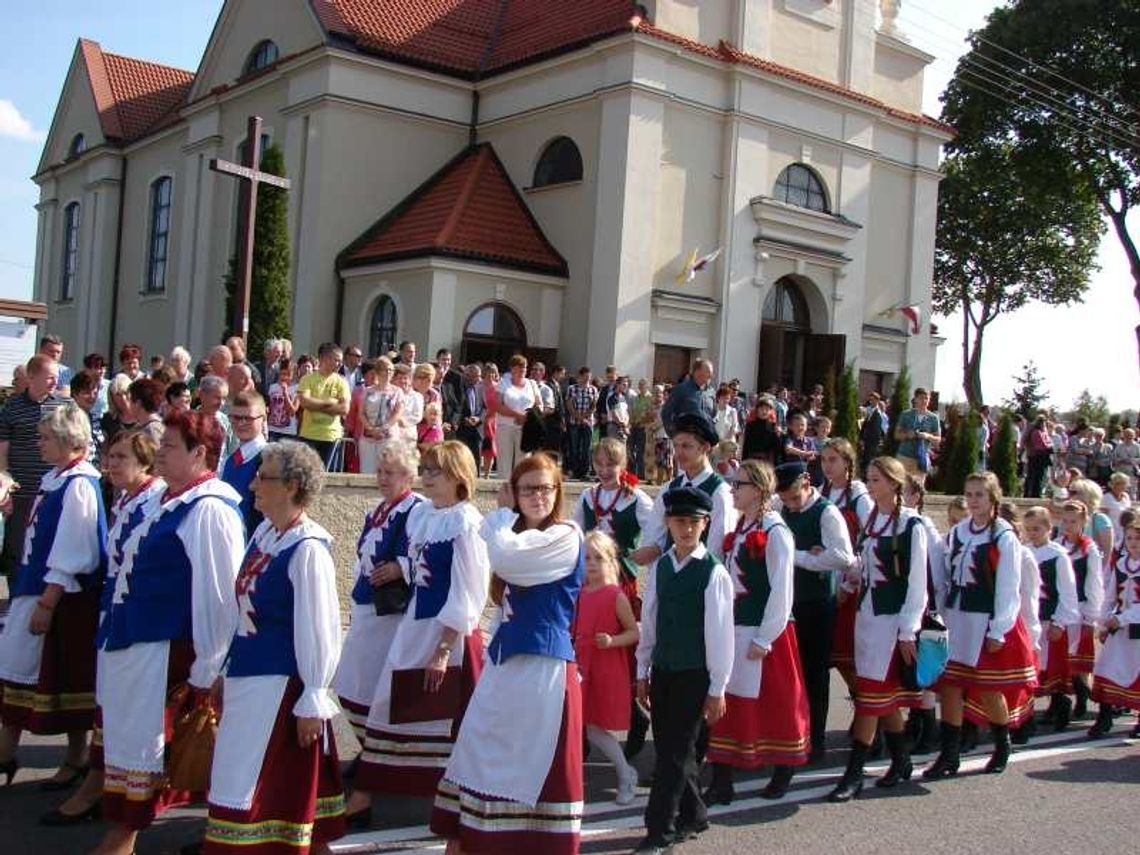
{"x": 192, "y": 746}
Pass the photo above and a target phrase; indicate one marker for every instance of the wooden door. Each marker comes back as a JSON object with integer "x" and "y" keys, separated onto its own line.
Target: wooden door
{"x": 823, "y": 352}
{"x": 671, "y": 363}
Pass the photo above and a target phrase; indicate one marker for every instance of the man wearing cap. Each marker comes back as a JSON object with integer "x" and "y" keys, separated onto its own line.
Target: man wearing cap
{"x": 693, "y": 436}
{"x": 684, "y": 659}
{"x": 823, "y": 550}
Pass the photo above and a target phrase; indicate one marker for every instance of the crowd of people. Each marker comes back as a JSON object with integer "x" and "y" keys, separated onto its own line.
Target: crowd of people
{"x": 486, "y": 652}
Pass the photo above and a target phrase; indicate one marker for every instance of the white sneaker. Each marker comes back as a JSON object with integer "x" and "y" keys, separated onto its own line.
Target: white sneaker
{"x": 627, "y": 786}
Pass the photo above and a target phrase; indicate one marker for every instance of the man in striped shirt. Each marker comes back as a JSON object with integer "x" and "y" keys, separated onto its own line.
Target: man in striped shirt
{"x": 20, "y": 450}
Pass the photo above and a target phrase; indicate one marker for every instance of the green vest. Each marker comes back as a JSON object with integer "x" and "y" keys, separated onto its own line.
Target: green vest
{"x": 893, "y": 554}
{"x": 626, "y": 531}
{"x": 680, "y": 644}
{"x": 749, "y": 610}
{"x": 807, "y": 530}
{"x": 708, "y": 487}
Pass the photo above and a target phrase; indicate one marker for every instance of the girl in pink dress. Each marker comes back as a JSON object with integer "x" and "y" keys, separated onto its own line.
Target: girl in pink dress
{"x": 491, "y": 401}
{"x": 604, "y": 629}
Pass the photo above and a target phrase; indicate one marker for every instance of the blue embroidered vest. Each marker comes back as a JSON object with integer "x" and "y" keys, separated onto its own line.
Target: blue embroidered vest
{"x": 391, "y": 543}
{"x": 240, "y": 477}
{"x": 152, "y": 599}
{"x": 41, "y": 535}
{"x": 431, "y": 579}
{"x": 121, "y": 532}
{"x": 264, "y": 640}
{"x": 536, "y": 619}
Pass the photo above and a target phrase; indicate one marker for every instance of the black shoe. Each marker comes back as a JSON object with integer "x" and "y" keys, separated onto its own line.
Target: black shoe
{"x": 1064, "y": 714}
{"x": 56, "y": 817}
{"x": 1050, "y": 711}
{"x": 1081, "y": 707}
{"x": 192, "y": 848}
{"x": 1103, "y": 723}
{"x": 901, "y": 768}
{"x": 999, "y": 759}
{"x": 638, "y": 727}
{"x": 818, "y": 753}
{"x": 655, "y": 844}
{"x": 948, "y": 759}
{"x": 969, "y": 737}
{"x": 689, "y": 829}
{"x": 78, "y": 773}
{"x": 361, "y": 820}
{"x": 9, "y": 770}
{"x": 720, "y": 791}
{"x": 777, "y": 787}
{"x": 851, "y": 784}
{"x": 1022, "y": 735}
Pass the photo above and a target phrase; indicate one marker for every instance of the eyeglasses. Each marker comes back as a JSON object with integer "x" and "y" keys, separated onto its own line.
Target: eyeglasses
{"x": 260, "y": 476}
{"x": 244, "y": 420}
{"x": 737, "y": 484}
{"x": 430, "y": 471}
{"x": 537, "y": 490}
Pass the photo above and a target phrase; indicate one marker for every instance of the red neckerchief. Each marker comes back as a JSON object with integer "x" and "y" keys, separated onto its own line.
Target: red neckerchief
{"x": 201, "y": 479}
{"x": 741, "y": 531}
{"x": 377, "y": 519}
{"x": 257, "y": 559}
{"x": 127, "y": 498}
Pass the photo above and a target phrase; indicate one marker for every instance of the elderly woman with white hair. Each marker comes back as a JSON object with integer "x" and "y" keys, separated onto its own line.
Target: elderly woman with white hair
{"x": 180, "y": 360}
{"x": 47, "y": 647}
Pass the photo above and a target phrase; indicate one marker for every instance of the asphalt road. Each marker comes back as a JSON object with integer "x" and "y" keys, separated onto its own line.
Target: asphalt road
{"x": 1061, "y": 792}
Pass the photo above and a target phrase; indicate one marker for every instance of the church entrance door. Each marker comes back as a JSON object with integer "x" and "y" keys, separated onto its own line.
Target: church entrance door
{"x": 791, "y": 354}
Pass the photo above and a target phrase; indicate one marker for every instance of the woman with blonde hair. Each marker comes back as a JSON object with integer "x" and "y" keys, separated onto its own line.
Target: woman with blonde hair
{"x": 517, "y": 395}
{"x": 1099, "y": 524}
{"x": 406, "y": 749}
{"x": 767, "y": 719}
{"x": 519, "y": 751}
{"x": 893, "y": 550}
{"x": 381, "y": 406}
{"x": 991, "y": 654}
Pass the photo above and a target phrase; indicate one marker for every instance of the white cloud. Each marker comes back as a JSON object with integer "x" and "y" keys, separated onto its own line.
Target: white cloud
{"x": 14, "y": 125}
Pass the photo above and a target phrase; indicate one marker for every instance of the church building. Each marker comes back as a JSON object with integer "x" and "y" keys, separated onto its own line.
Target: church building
{"x": 500, "y": 176}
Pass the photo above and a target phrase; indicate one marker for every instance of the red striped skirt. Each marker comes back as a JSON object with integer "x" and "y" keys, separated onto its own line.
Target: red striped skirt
{"x": 878, "y": 698}
{"x": 484, "y": 824}
{"x": 404, "y": 765}
{"x": 774, "y": 728}
{"x": 357, "y": 717}
{"x": 1081, "y": 662}
{"x": 1106, "y": 691}
{"x": 63, "y": 698}
{"x": 1057, "y": 677}
{"x": 843, "y": 639}
{"x": 299, "y": 800}
{"x": 1011, "y": 671}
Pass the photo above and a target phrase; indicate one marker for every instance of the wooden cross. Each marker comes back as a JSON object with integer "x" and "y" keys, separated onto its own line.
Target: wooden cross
{"x": 250, "y": 175}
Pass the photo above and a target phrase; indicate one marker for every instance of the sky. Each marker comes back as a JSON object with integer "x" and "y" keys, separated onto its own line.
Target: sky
{"x": 1061, "y": 341}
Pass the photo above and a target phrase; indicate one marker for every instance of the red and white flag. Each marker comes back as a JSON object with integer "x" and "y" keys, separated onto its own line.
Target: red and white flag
{"x": 911, "y": 313}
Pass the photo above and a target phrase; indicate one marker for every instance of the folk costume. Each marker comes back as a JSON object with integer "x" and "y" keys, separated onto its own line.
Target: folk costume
{"x": 267, "y": 793}
{"x": 686, "y": 652}
{"x": 47, "y": 682}
{"x": 1117, "y": 675}
{"x": 168, "y": 621}
{"x": 722, "y": 520}
{"x": 514, "y": 782}
{"x": 767, "y": 720}
{"x": 623, "y": 514}
{"x": 1086, "y": 560}
{"x": 449, "y": 574}
{"x": 238, "y": 470}
{"x": 383, "y": 538}
{"x": 855, "y": 505}
{"x": 1057, "y": 606}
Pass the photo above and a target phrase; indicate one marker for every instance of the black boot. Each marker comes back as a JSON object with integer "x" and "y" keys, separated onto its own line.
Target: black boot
{"x": 1081, "y": 707}
{"x": 901, "y": 768}
{"x": 1022, "y": 734}
{"x": 877, "y": 747}
{"x": 1002, "y": 749}
{"x": 778, "y": 786}
{"x": 1050, "y": 711}
{"x": 949, "y": 756}
{"x": 638, "y": 727}
{"x": 1064, "y": 713}
{"x": 1103, "y": 723}
{"x": 928, "y": 733}
{"x": 913, "y": 727}
{"x": 851, "y": 784}
{"x": 720, "y": 791}
{"x": 969, "y": 736}
{"x": 1135, "y": 734}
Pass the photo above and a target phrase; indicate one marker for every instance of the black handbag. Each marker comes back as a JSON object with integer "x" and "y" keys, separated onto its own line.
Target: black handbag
{"x": 533, "y": 432}
{"x": 392, "y": 598}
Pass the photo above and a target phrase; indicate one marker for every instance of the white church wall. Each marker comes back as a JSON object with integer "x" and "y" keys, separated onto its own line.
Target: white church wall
{"x": 897, "y": 73}
{"x": 806, "y": 35}
{"x": 76, "y": 114}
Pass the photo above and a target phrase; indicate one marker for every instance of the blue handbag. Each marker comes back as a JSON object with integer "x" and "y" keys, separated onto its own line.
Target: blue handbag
{"x": 933, "y": 653}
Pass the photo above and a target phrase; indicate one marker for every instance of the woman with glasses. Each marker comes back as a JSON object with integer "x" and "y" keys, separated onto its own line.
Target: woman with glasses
{"x": 410, "y": 733}
{"x": 767, "y": 719}
{"x": 519, "y": 751}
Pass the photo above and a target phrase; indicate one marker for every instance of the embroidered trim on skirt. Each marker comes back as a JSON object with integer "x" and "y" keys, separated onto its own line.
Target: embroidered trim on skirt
{"x": 1081, "y": 662}
{"x": 843, "y": 636}
{"x": 882, "y": 697}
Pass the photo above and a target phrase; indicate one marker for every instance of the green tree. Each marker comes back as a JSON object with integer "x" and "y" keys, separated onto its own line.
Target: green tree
{"x": 963, "y": 458}
{"x": 900, "y": 401}
{"x": 1005, "y": 241}
{"x": 1059, "y": 80}
{"x": 1028, "y": 397}
{"x": 1092, "y": 408}
{"x": 270, "y": 301}
{"x": 951, "y": 427}
{"x": 847, "y": 407}
{"x": 1003, "y": 456}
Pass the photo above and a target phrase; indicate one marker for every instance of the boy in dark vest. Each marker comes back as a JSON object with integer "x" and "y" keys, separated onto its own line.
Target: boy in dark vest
{"x": 694, "y": 436}
{"x": 247, "y": 415}
{"x": 823, "y": 551}
{"x": 684, "y": 660}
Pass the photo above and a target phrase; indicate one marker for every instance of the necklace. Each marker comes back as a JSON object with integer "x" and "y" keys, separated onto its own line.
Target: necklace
{"x": 601, "y": 513}
{"x": 870, "y": 530}
{"x": 970, "y": 522}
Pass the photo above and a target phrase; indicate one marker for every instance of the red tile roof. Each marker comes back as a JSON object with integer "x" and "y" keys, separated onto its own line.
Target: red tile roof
{"x": 470, "y": 209}
{"x": 473, "y": 37}
{"x": 133, "y": 96}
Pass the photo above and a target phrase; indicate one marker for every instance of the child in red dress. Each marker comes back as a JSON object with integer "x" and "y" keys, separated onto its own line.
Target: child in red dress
{"x": 603, "y": 630}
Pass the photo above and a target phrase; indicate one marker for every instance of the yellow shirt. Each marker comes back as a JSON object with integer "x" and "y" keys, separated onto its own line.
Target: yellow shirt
{"x": 322, "y": 426}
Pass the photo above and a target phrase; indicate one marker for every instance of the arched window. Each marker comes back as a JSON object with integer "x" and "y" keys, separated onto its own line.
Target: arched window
{"x": 78, "y": 146}
{"x": 70, "y": 261}
{"x": 382, "y": 331}
{"x": 264, "y": 53}
{"x": 800, "y": 186}
{"x": 493, "y": 333}
{"x": 786, "y": 305}
{"x": 159, "y": 234}
{"x": 559, "y": 163}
